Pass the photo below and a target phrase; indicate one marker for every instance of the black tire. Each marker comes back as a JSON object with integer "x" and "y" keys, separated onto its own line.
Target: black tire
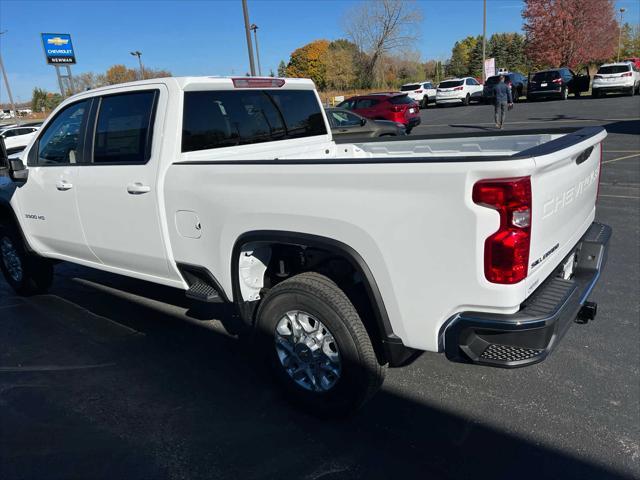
{"x": 632, "y": 91}
{"x": 36, "y": 273}
{"x": 466, "y": 100}
{"x": 361, "y": 375}
{"x": 408, "y": 130}
{"x": 595, "y": 93}
{"x": 577, "y": 94}
{"x": 425, "y": 102}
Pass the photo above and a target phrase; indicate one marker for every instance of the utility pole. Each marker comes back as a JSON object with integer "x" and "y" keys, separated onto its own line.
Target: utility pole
{"x": 245, "y": 10}
{"x": 622, "y": 10}
{"x": 484, "y": 36}
{"x": 138, "y": 54}
{"x": 6, "y": 82}
{"x": 254, "y": 27}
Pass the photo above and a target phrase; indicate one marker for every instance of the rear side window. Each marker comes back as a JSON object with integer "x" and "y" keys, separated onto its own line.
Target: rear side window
{"x": 450, "y": 84}
{"x": 614, "y": 69}
{"x": 124, "y": 127}
{"x": 409, "y": 88}
{"x": 366, "y": 103}
{"x": 224, "y": 118}
{"x": 401, "y": 100}
{"x": 428, "y": 85}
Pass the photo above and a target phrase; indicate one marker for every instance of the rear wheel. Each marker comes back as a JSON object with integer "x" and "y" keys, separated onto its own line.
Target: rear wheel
{"x": 632, "y": 91}
{"x": 317, "y": 346}
{"x": 595, "y": 93}
{"x": 424, "y": 102}
{"x": 466, "y": 100}
{"x": 26, "y": 273}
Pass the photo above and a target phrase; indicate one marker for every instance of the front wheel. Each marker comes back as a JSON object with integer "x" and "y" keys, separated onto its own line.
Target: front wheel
{"x": 317, "y": 346}
{"x": 27, "y": 274}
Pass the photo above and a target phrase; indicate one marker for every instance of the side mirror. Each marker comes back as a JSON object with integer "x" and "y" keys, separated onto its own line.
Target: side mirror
{"x": 17, "y": 171}
{"x": 363, "y": 122}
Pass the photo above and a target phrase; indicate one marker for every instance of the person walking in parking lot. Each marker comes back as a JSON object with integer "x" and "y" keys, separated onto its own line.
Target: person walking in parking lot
{"x": 502, "y": 101}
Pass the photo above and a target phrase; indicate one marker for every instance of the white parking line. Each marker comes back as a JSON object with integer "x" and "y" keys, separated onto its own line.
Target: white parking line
{"x": 618, "y": 196}
{"x": 536, "y": 122}
{"x": 621, "y": 158}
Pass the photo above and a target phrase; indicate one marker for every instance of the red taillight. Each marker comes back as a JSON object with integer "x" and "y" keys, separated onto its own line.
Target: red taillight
{"x": 506, "y": 252}
{"x": 557, "y": 80}
{"x": 255, "y": 82}
{"x": 458, "y": 88}
{"x": 628, "y": 74}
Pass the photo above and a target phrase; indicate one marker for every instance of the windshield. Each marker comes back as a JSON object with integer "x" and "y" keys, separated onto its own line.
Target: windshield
{"x": 408, "y": 88}
{"x": 546, "y": 76}
{"x": 614, "y": 69}
{"x": 450, "y": 84}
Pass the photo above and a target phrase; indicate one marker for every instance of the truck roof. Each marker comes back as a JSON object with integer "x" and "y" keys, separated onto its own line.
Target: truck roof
{"x": 212, "y": 82}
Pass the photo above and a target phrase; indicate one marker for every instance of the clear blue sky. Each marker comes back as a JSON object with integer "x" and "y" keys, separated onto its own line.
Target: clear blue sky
{"x": 207, "y": 37}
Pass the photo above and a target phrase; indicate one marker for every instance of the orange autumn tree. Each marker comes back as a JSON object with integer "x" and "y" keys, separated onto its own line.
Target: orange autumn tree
{"x": 310, "y": 62}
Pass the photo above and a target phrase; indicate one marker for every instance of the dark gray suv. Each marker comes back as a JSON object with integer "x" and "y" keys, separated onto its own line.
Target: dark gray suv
{"x": 346, "y": 124}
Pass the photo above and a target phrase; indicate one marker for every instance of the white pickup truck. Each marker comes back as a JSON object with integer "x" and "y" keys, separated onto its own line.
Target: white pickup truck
{"x": 340, "y": 258}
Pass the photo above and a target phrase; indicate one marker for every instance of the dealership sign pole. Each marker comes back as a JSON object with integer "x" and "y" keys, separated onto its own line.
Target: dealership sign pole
{"x": 58, "y": 51}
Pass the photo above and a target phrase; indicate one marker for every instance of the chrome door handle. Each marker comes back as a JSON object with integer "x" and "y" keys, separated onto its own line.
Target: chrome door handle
{"x": 138, "y": 188}
{"x": 63, "y": 186}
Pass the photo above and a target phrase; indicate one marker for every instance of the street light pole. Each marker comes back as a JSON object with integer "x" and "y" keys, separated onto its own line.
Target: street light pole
{"x": 254, "y": 27}
{"x": 6, "y": 82}
{"x": 138, "y": 54}
{"x": 484, "y": 37}
{"x": 622, "y": 10}
{"x": 245, "y": 11}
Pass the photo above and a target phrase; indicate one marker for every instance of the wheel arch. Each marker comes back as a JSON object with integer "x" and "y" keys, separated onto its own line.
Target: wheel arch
{"x": 392, "y": 350}
{"x": 8, "y": 215}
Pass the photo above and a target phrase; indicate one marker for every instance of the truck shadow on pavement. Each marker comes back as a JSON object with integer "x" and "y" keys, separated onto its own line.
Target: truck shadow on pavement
{"x": 159, "y": 395}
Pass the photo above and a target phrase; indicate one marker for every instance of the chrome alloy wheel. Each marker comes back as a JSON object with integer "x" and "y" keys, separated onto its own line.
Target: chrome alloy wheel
{"x": 11, "y": 259}
{"x": 307, "y": 351}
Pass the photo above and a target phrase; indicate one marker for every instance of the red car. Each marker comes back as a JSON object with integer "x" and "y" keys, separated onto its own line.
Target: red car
{"x": 396, "y": 107}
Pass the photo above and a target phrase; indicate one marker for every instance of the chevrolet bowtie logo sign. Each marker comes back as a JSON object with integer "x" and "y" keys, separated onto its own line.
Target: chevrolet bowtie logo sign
{"x": 57, "y": 41}
{"x": 58, "y": 48}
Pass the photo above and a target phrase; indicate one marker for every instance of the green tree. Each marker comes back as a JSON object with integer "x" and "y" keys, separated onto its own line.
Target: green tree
{"x": 458, "y": 64}
{"x": 630, "y": 41}
{"x": 341, "y": 65}
{"x": 282, "y": 69}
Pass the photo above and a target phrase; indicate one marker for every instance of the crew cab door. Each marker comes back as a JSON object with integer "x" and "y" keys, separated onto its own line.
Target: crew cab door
{"x": 117, "y": 193}
{"x": 47, "y": 200}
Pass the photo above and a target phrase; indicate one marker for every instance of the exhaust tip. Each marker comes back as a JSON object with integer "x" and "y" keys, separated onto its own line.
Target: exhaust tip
{"x": 587, "y": 312}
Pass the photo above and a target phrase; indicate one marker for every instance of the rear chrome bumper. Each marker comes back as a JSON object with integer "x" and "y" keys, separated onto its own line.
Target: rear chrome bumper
{"x": 529, "y": 335}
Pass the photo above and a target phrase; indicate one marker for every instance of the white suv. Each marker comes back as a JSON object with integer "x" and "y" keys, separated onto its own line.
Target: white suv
{"x": 423, "y": 92}
{"x": 458, "y": 90}
{"x": 616, "y": 77}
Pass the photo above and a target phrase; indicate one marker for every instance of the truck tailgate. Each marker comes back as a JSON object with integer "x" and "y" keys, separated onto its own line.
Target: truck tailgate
{"x": 564, "y": 188}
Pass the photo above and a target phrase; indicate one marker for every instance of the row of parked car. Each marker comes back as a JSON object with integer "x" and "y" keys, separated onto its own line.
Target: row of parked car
{"x": 397, "y": 113}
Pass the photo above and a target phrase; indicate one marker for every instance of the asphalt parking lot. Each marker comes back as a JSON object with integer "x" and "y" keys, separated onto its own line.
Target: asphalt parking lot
{"x": 109, "y": 377}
